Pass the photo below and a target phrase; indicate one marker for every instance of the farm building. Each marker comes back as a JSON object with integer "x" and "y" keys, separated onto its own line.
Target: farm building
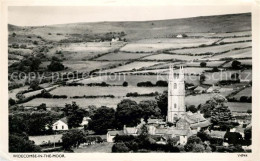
{"x": 213, "y": 89}
{"x": 111, "y": 134}
{"x": 61, "y": 124}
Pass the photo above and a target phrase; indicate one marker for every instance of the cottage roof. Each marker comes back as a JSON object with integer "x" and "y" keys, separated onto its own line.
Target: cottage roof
{"x": 199, "y": 88}
{"x": 64, "y": 119}
{"x": 155, "y": 121}
{"x": 116, "y": 132}
{"x": 131, "y": 130}
{"x": 194, "y": 118}
{"x": 200, "y": 124}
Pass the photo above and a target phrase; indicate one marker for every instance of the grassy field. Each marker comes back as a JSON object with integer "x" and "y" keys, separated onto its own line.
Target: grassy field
{"x": 84, "y": 103}
{"x": 132, "y": 66}
{"x": 153, "y": 45}
{"x": 172, "y": 57}
{"x": 237, "y": 39}
{"x": 122, "y": 56}
{"x": 221, "y": 35}
{"x": 134, "y": 79}
{"x": 243, "y": 53}
{"x": 212, "y": 49}
{"x": 246, "y": 92}
{"x": 243, "y": 61}
{"x": 96, "y": 148}
{"x": 97, "y": 91}
{"x": 212, "y": 78}
{"x": 239, "y": 107}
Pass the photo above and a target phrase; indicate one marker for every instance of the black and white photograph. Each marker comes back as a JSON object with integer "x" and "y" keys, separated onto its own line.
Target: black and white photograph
{"x": 130, "y": 79}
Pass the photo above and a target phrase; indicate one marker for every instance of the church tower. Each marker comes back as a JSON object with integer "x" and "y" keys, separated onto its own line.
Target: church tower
{"x": 176, "y": 95}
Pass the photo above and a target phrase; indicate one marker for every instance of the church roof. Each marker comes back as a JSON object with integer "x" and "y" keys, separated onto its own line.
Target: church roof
{"x": 200, "y": 124}
{"x": 194, "y": 118}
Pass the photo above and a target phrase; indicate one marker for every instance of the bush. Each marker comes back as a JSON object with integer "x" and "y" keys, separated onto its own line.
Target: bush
{"x": 56, "y": 66}
{"x": 11, "y": 102}
{"x": 236, "y": 64}
{"x": 203, "y": 64}
{"x": 145, "y": 84}
{"x": 120, "y": 148}
{"x": 161, "y": 83}
{"x": 125, "y": 84}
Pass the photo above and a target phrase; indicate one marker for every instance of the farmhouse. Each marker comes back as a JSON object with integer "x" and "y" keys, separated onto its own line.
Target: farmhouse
{"x": 61, "y": 124}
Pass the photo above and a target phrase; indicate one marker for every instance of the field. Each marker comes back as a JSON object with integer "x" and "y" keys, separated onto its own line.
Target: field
{"x": 84, "y": 103}
{"x": 242, "y": 53}
{"x": 209, "y": 64}
{"x": 130, "y": 67}
{"x": 212, "y": 78}
{"x": 87, "y": 50}
{"x": 134, "y": 79}
{"x": 246, "y": 92}
{"x": 172, "y": 57}
{"x": 153, "y": 45}
{"x": 98, "y": 91}
{"x": 96, "y": 148}
{"x": 239, "y": 107}
{"x": 237, "y": 39}
{"x": 243, "y": 61}
{"x": 212, "y": 49}
{"x": 122, "y": 56}
{"x": 221, "y": 35}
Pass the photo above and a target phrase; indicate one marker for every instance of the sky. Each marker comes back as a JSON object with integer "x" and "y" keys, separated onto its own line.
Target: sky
{"x": 48, "y": 15}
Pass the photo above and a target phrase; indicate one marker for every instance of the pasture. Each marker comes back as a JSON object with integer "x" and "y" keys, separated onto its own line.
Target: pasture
{"x": 134, "y": 79}
{"x": 245, "y": 92}
{"x": 122, "y": 56}
{"x": 212, "y": 78}
{"x": 130, "y": 67}
{"x": 242, "y": 53}
{"x": 221, "y": 35}
{"x": 239, "y": 106}
{"x": 236, "y": 39}
{"x": 172, "y": 57}
{"x": 153, "y": 45}
{"x": 117, "y": 91}
{"x": 212, "y": 49}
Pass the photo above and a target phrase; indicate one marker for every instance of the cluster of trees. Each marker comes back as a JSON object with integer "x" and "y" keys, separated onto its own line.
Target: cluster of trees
{"x": 247, "y": 99}
{"x": 128, "y": 113}
{"x": 142, "y": 143}
{"x": 135, "y": 94}
{"x": 55, "y": 65}
{"x": 159, "y": 83}
{"x": 29, "y": 64}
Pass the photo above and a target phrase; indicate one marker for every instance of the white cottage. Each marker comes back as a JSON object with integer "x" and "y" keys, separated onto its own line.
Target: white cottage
{"x": 61, "y": 124}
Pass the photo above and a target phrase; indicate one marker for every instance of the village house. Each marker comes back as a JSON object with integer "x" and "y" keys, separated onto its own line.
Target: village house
{"x": 46, "y": 139}
{"x": 61, "y": 124}
{"x": 200, "y": 89}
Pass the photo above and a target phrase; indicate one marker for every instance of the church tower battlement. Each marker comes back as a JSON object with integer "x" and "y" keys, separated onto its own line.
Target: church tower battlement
{"x": 176, "y": 95}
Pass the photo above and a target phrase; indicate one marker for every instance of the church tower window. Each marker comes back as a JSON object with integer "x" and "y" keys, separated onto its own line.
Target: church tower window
{"x": 175, "y": 106}
{"x": 175, "y": 85}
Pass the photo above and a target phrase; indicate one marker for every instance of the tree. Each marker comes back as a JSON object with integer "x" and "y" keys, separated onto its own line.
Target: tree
{"x": 120, "y": 148}
{"x": 161, "y": 83}
{"x": 203, "y": 136}
{"x": 21, "y": 143}
{"x": 34, "y": 85}
{"x": 233, "y": 138}
{"x": 125, "y": 84}
{"x": 198, "y": 148}
{"x": 248, "y": 133}
{"x": 203, "y": 64}
{"x": 55, "y": 66}
{"x": 236, "y": 64}
{"x": 42, "y": 107}
{"x": 150, "y": 108}
{"x": 74, "y": 114}
{"x": 102, "y": 120}
{"x": 235, "y": 76}
{"x": 162, "y": 101}
{"x": 128, "y": 113}
{"x": 221, "y": 115}
{"x": 193, "y": 144}
{"x": 202, "y": 78}
{"x": 192, "y": 108}
{"x": 11, "y": 102}
{"x": 215, "y": 69}
{"x": 72, "y": 138}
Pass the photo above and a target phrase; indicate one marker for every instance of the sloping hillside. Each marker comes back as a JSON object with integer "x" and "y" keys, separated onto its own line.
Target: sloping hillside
{"x": 139, "y": 30}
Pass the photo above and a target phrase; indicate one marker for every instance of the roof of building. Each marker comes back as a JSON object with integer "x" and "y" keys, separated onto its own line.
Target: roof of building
{"x": 64, "y": 119}
{"x": 200, "y": 124}
{"x": 116, "y": 132}
{"x": 131, "y": 130}
{"x": 194, "y": 117}
{"x": 155, "y": 121}
{"x": 199, "y": 88}
{"x": 218, "y": 134}
{"x": 44, "y": 139}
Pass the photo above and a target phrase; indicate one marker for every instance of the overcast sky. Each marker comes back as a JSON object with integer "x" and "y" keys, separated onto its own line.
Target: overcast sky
{"x": 35, "y": 16}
